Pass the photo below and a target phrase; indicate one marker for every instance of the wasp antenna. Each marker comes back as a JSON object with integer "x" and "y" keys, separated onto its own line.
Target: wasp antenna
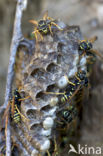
{"x": 93, "y": 39}
{"x": 33, "y": 22}
{"x": 97, "y": 53}
{"x": 45, "y": 15}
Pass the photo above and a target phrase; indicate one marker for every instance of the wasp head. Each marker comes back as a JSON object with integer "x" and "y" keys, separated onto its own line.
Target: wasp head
{"x": 85, "y": 45}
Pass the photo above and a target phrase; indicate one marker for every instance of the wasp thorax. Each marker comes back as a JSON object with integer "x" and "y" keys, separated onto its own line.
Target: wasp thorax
{"x": 43, "y": 27}
{"x": 41, "y": 23}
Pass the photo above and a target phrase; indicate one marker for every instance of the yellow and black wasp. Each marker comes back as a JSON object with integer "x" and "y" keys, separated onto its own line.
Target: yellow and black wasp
{"x": 43, "y": 26}
{"x": 86, "y": 47}
{"x": 80, "y": 80}
{"x": 13, "y": 108}
{"x": 66, "y": 118}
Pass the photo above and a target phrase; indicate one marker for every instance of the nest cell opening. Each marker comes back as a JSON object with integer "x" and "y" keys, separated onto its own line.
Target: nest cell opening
{"x": 52, "y": 68}
{"x": 31, "y": 113}
{"x": 36, "y": 73}
{"x": 46, "y": 108}
{"x": 40, "y": 95}
{"x": 36, "y": 127}
{"x": 51, "y": 88}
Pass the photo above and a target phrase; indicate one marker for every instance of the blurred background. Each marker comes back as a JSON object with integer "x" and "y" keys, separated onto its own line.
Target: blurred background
{"x": 88, "y": 14}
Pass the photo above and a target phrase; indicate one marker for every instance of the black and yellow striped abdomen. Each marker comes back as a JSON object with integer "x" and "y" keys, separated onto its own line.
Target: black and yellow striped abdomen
{"x": 66, "y": 96}
{"x": 16, "y": 117}
{"x": 16, "y": 114}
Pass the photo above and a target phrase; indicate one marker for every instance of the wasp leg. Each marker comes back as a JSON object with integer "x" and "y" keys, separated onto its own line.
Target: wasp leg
{"x": 52, "y": 23}
{"x": 70, "y": 81}
{"x": 22, "y": 114}
{"x": 6, "y": 111}
{"x": 35, "y": 32}
{"x": 12, "y": 106}
{"x": 24, "y": 98}
{"x": 40, "y": 35}
{"x": 49, "y": 18}
{"x": 59, "y": 122}
{"x": 55, "y": 93}
{"x": 97, "y": 53}
{"x": 77, "y": 77}
{"x": 4, "y": 116}
{"x": 55, "y": 147}
{"x": 89, "y": 60}
{"x": 50, "y": 30}
{"x": 48, "y": 153}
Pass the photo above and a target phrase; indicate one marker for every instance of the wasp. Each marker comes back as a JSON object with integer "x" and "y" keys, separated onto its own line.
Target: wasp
{"x": 13, "y": 108}
{"x": 80, "y": 80}
{"x": 65, "y": 120}
{"x": 86, "y": 47}
{"x": 43, "y": 26}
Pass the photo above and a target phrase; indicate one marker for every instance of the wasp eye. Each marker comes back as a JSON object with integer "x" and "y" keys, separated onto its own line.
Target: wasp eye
{"x": 66, "y": 114}
{"x": 83, "y": 46}
{"x": 41, "y": 22}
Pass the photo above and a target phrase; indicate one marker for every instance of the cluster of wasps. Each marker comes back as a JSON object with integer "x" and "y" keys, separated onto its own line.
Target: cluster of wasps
{"x": 80, "y": 80}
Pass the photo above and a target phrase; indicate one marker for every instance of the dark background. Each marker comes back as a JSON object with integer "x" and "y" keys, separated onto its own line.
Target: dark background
{"x": 86, "y": 13}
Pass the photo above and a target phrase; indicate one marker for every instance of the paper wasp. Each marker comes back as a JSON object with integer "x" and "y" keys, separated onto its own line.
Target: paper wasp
{"x": 43, "y": 26}
{"x": 80, "y": 80}
{"x": 86, "y": 47}
{"x": 63, "y": 121}
{"x": 13, "y": 108}
{"x": 64, "y": 118}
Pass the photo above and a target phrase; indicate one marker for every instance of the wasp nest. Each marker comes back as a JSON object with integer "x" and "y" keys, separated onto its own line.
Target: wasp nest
{"x": 40, "y": 70}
